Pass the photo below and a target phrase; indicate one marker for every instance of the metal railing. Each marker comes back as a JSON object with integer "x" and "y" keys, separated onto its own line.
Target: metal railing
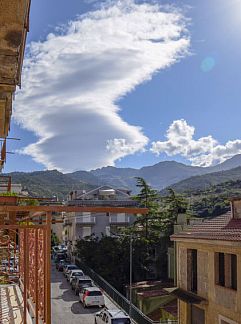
{"x": 85, "y": 220}
{"x": 118, "y": 298}
{"x": 119, "y": 219}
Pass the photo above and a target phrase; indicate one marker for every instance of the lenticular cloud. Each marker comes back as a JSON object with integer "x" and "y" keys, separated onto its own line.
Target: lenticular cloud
{"x": 73, "y": 79}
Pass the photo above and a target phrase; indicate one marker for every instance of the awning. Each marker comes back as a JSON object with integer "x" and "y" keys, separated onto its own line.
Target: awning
{"x": 186, "y": 296}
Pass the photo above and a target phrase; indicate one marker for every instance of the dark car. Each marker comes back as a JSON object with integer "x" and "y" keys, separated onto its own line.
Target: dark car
{"x": 60, "y": 256}
{"x": 82, "y": 282}
{"x": 60, "y": 265}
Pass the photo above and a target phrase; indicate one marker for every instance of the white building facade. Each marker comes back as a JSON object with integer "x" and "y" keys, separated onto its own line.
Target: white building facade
{"x": 82, "y": 225}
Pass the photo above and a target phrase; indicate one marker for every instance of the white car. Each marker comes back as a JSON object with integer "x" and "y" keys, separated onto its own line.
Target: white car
{"x": 115, "y": 316}
{"x": 74, "y": 273}
{"x": 68, "y": 268}
{"x": 92, "y": 296}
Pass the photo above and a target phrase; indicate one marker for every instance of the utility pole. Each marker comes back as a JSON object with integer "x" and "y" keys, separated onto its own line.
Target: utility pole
{"x": 130, "y": 269}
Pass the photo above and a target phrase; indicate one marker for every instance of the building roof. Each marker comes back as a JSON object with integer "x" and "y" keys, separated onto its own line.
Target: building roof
{"x": 223, "y": 228}
{"x": 186, "y": 296}
{"x": 104, "y": 203}
{"x": 152, "y": 293}
{"x": 105, "y": 187}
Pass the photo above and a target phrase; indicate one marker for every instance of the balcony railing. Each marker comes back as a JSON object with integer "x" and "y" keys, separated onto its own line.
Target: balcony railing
{"x": 116, "y": 219}
{"x": 84, "y": 220}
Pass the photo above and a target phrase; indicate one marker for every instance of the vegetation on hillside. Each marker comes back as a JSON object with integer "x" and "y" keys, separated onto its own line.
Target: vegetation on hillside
{"x": 203, "y": 182}
{"x": 214, "y": 200}
{"x": 48, "y": 183}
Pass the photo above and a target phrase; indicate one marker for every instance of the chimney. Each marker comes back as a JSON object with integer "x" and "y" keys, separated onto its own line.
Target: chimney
{"x": 236, "y": 208}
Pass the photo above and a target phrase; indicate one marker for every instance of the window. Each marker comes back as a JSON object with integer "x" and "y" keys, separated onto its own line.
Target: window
{"x": 234, "y": 271}
{"x": 192, "y": 270}
{"x": 121, "y": 321}
{"x": 221, "y": 269}
{"x": 86, "y": 231}
{"x": 121, "y": 217}
{"x": 94, "y": 293}
{"x": 197, "y": 315}
{"x": 226, "y": 270}
{"x": 86, "y": 217}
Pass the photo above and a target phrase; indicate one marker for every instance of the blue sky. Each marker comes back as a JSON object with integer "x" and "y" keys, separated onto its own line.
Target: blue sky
{"x": 195, "y": 99}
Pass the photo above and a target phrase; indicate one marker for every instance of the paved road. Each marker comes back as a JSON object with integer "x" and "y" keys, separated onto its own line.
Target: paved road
{"x": 66, "y": 308}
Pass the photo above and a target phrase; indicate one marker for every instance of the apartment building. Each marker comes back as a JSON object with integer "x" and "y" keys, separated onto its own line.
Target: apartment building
{"x": 209, "y": 270}
{"x": 81, "y": 225}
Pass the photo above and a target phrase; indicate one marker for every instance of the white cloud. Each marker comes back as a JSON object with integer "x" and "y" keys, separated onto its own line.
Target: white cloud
{"x": 119, "y": 146}
{"x": 205, "y": 151}
{"x": 72, "y": 81}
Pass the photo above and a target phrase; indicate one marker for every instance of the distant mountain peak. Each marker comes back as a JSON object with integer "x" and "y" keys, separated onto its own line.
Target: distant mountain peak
{"x": 159, "y": 176}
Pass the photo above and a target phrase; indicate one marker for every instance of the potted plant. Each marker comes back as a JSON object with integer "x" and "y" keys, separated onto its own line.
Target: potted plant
{"x": 8, "y": 198}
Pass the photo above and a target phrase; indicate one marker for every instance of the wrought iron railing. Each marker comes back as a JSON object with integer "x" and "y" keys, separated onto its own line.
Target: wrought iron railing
{"x": 118, "y": 298}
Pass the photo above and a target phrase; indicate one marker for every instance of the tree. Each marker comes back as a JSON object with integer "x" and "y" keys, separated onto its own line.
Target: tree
{"x": 174, "y": 204}
{"x": 54, "y": 239}
{"x": 147, "y": 198}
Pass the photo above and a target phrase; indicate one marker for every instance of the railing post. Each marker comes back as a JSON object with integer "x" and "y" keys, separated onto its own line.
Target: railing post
{"x": 130, "y": 288}
{"x": 48, "y": 267}
{"x": 36, "y": 275}
{"x": 25, "y": 293}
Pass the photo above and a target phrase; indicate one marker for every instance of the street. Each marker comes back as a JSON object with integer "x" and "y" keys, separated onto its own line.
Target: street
{"x": 66, "y": 307}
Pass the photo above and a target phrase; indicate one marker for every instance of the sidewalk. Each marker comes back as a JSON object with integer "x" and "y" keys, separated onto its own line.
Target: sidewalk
{"x": 11, "y": 305}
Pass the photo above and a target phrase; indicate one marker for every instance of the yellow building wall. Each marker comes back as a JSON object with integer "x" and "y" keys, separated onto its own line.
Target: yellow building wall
{"x": 221, "y": 301}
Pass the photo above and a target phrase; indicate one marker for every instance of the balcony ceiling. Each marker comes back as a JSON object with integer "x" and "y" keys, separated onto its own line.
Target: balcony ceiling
{"x": 14, "y": 22}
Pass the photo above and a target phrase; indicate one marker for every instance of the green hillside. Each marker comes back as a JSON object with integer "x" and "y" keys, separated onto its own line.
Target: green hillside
{"x": 48, "y": 183}
{"x": 209, "y": 194}
{"x": 203, "y": 182}
{"x": 213, "y": 201}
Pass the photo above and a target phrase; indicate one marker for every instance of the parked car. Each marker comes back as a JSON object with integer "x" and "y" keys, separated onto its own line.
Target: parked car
{"x": 65, "y": 266}
{"x": 115, "y": 316}
{"x": 62, "y": 247}
{"x": 60, "y": 265}
{"x": 92, "y": 296}
{"x": 74, "y": 273}
{"x": 68, "y": 268}
{"x": 81, "y": 282}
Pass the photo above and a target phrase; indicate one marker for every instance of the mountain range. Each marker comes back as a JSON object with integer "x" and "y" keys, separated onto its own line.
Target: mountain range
{"x": 161, "y": 175}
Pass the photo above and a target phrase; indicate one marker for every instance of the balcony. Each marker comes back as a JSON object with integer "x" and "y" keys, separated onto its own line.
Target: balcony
{"x": 85, "y": 220}
{"x": 119, "y": 219}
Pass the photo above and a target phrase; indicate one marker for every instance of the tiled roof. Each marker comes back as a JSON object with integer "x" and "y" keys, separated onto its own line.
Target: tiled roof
{"x": 224, "y": 228}
{"x": 152, "y": 293}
